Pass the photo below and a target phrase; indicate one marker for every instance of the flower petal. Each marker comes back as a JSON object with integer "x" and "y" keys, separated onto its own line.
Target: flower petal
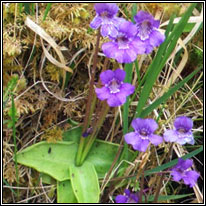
{"x": 117, "y": 21}
{"x": 177, "y": 176}
{"x": 122, "y": 97}
{"x": 106, "y": 76}
{"x": 141, "y": 146}
{"x": 152, "y": 124}
{"x": 138, "y": 45}
{"x": 156, "y": 23}
{"x": 113, "y": 101}
{"x": 102, "y": 93}
{"x": 119, "y": 55}
{"x": 132, "y": 138}
{"x": 119, "y": 74}
{"x": 133, "y": 198}
{"x": 108, "y": 29}
{"x": 155, "y": 139}
{"x": 170, "y": 136}
{"x": 137, "y": 124}
{"x": 121, "y": 199}
{"x": 190, "y": 178}
{"x": 185, "y": 138}
{"x": 96, "y": 22}
{"x": 156, "y": 38}
{"x": 127, "y": 89}
{"x": 127, "y": 192}
{"x": 148, "y": 124}
{"x": 189, "y": 138}
{"x": 129, "y": 55}
{"x": 124, "y": 55}
{"x": 183, "y": 122}
{"x": 142, "y": 16}
{"x": 128, "y": 28}
{"x": 185, "y": 164}
{"x": 111, "y": 8}
{"x": 109, "y": 49}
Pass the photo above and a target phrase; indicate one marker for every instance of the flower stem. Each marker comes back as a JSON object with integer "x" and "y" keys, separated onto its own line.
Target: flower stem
{"x": 159, "y": 185}
{"x": 97, "y": 127}
{"x": 89, "y": 108}
{"x": 141, "y": 186}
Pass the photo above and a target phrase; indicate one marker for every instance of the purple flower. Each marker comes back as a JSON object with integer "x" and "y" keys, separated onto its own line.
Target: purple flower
{"x": 87, "y": 132}
{"x": 106, "y": 18}
{"x": 115, "y": 90}
{"x": 143, "y": 134}
{"x": 182, "y": 133}
{"x": 147, "y": 31}
{"x": 127, "y": 198}
{"x": 124, "y": 47}
{"x": 181, "y": 172}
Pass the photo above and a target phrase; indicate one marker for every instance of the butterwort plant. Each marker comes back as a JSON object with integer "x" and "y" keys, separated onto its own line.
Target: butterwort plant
{"x": 148, "y": 35}
{"x": 106, "y": 19}
{"x": 182, "y": 133}
{"x": 128, "y": 197}
{"x": 126, "y": 40}
{"x": 125, "y": 46}
{"x": 143, "y": 134}
{"x": 182, "y": 171}
{"x": 114, "y": 90}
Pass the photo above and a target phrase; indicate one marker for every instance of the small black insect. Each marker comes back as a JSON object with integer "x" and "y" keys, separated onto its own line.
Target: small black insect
{"x": 49, "y": 150}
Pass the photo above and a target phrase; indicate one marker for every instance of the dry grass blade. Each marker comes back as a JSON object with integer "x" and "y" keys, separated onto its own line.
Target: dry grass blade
{"x": 192, "y": 19}
{"x": 46, "y": 88}
{"x": 180, "y": 67}
{"x": 38, "y": 30}
{"x": 198, "y": 194}
{"x": 176, "y": 72}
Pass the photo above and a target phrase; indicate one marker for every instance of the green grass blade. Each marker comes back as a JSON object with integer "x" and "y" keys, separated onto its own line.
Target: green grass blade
{"x": 27, "y": 8}
{"x": 128, "y": 78}
{"x": 33, "y": 8}
{"x": 159, "y": 61}
{"x": 13, "y": 118}
{"x": 174, "y": 36}
{"x": 173, "y": 162}
{"x": 168, "y": 94}
{"x": 10, "y": 187}
{"x": 170, "y": 25}
{"x": 7, "y": 91}
{"x": 134, "y": 11}
{"x": 168, "y": 197}
{"x": 137, "y": 71}
{"x": 20, "y": 7}
{"x": 151, "y": 75}
{"x": 139, "y": 82}
{"x": 48, "y": 7}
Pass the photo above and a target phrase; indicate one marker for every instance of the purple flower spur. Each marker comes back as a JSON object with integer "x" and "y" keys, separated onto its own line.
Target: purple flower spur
{"x": 143, "y": 134}
{"x": 124, "y": 47}
{"x": 106, "y": 18}
{"x": 180, "y": 172}
{"x": 114, "y": 90}
{"x": 182, "y": 133}
{"x": 147, "y": 31}
{"x": 127, "y": 198}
